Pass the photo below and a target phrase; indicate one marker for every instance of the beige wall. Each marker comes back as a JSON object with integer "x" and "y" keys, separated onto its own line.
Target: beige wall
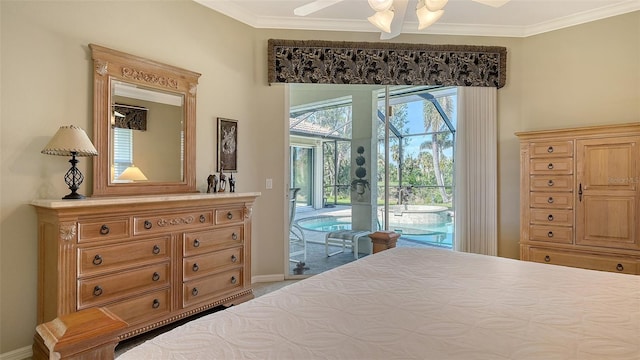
{"x": 556, "y": 79}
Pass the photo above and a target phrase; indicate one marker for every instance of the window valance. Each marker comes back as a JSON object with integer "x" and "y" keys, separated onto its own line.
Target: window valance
{"x": 337, "y": 62}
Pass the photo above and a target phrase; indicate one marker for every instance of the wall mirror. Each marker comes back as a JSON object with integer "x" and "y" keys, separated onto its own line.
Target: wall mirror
{"x": 144, "y": 125}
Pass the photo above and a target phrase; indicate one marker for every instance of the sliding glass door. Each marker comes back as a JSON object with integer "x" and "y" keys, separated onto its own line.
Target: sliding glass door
{"x": 410, "y": 193}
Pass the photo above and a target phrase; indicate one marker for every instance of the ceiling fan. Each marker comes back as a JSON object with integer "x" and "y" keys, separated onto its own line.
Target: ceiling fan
{"x": 389, "y": 14}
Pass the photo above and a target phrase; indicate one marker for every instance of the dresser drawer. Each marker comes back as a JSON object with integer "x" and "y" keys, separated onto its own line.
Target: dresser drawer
{"x": 551, "y": 217}
{"x": 103, "y": 230}
{"x": 207, "y": 288}
{"x": 551, "y": 183}
{"x": 551, "y": 166}
{"x": 201, "y": 242}
{"x": 551, "y": 200}
{"x": 207, "y": 264}
{"x": 583, "y": 260}
{"x": 112, "y": 287}
{"x": 100, "y": 259}
{"x": 554, "y": 234}
{"x": 551, "y": 149}
{"x": 142, "y": 308}
{"x": 229, "y": 216}
{"x": 172, "y": 222}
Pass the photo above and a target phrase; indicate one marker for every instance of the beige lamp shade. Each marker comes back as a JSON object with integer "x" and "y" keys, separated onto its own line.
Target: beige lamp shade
{"x": 132, "y": 173}
{"x": 69, "y": 140}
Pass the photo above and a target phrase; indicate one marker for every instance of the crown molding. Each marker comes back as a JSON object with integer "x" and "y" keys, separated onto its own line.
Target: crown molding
{"x": 237, "y": 12}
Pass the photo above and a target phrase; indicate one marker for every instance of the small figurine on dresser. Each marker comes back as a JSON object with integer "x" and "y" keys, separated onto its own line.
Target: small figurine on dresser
{"x": 212, "y": 183}
{"x": 232, "y": 184}
{"x": 223, "y": 181}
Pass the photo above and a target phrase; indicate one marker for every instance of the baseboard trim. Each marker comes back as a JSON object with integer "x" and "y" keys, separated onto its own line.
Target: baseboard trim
{"x": 267, "y": 278}
{"x": 18, "y": 354}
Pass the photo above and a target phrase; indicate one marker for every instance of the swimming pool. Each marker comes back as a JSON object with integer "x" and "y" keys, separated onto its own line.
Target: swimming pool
{"x": 433, "y": 233}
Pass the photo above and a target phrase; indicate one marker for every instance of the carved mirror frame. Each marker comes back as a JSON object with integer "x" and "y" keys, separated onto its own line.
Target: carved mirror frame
{"x": 111, "y": 65}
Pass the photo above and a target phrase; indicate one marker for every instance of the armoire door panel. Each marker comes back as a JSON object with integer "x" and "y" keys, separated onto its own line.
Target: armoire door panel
{"x": 607, "y": 221}
{"x": 608, "y": 164}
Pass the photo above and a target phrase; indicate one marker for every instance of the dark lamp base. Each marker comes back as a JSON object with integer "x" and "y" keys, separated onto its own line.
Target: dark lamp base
{"x": 73, "y": 196}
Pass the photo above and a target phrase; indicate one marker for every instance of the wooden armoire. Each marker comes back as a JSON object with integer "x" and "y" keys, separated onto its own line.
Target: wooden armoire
{"x": 580, "y": 197}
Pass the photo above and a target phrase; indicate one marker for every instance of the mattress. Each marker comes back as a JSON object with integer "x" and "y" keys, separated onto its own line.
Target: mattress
{"x": 408, "y": 303}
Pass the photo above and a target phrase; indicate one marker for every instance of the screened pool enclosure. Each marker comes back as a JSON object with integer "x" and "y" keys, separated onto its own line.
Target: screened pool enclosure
{"x": 411, "y": 193}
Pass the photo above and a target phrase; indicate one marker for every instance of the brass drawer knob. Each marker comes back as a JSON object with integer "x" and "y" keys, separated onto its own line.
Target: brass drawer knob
{"x": 619, "y": 267}
{"x": 234, "y": 236}
{"x": 104, "y": 230}
{"x": 550, "y": 149}
{"x": 97, "y": 291}
{"x": 550, "y": 234}
{"x": 156, "y": 249}
{"x": 229, "y": 215}
{"x": 234, "y": 258}
{"x": 550, "y": 200}
{"x": 194, "y": 291}
{"x": 234, "y": 280}
{"x": 155, "y": 276}
{"x": 550, "y": 217}
{"x": 147, "y": 224}
{"x": 547, "y": 258}
{"x": 156, "y": 303}
{"x": 195, "y": 267}
{"x": 97, "y": 260}
{"x": 550, "y": 183}
{"x": 196, "y": 243}
{"x": 202, "y": 218}
{"x": 550, "y": 166}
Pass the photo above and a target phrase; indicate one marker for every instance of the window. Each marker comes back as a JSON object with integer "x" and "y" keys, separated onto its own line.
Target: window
{"x": 122, "y": 150}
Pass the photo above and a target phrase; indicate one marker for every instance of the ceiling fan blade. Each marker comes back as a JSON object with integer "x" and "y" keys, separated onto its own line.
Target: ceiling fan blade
{"x": 314, "y": 6}
{"x": 399, "y": 10}
{"x": 494, "y": 3}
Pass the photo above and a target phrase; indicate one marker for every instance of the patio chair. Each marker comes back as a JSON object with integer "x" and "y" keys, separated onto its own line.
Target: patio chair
{"x": 345, "y": 239}
{"x": 297, "y": 242}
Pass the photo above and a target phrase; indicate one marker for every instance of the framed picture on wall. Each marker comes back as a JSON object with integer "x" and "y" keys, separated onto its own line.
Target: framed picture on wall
{"x": 227, "y": 145}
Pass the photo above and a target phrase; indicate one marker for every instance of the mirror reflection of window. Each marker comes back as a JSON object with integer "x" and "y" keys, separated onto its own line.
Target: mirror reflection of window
{"x": 122, "y": 150}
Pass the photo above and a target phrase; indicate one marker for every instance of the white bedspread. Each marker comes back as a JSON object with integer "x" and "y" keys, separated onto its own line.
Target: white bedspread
{"x": 408, "y": 303}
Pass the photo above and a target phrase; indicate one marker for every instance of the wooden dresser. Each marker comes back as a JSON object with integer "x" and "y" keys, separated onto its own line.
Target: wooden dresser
{"x": 151, "y": 260}
{"x": 580, "y": 197}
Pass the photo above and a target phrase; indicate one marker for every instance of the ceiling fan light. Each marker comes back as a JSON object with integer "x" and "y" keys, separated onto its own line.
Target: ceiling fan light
{"x": 380, "y": 5}
{"x": 382, "y": 20}
{"x": 427, "y": 18}
{"x": 435, "y": 5}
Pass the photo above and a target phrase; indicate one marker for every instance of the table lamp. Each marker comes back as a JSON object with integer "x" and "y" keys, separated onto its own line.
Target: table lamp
{"x": 71, "y": 141}
{"x": 132, "y": 173}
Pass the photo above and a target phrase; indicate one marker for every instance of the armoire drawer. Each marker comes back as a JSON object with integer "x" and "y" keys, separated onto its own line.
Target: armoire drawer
{"x": 551, "y": 200}
{"x": 200, "y": 242}
{"x": 561, "y": 148}
{"x": 100, "y": 259}
{"x": 143, "y": 308}
{"x": 551, "y": 183}
{"x": 171, "y": 222}
{"x": 554, "y": 234}
{"x": 202, "y": 265}
{"x": 207, "y": 288}
{"x": 584, "y": 260}
{"x": 112, "y": 287}
{"x": 558, "y": 217}
{"x": 551, "y": 166}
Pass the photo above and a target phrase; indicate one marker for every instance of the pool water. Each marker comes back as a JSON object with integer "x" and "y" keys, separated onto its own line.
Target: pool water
{"x": 440, "y": 235}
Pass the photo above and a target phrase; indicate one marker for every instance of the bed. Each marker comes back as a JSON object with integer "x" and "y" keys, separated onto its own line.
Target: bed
{"x": 408, "y": 303}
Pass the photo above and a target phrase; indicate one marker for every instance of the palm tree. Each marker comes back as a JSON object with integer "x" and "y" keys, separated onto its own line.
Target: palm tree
{"x": 434, "y": 124}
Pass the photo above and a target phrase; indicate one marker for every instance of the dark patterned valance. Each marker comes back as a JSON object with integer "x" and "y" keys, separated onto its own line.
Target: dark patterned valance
{"x": 337, "y": 62}
{"x": 130, "y": 117}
